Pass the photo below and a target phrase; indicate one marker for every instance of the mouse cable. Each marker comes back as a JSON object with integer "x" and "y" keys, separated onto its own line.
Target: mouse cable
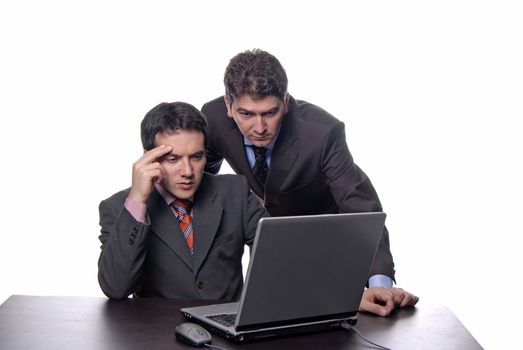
{"x": 349, "y": 327}
{"x": 210, "y": 346}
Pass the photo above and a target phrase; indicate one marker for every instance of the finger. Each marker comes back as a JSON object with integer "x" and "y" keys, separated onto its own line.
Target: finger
{"x": 389, "y": 304}
{"x": 372, "y": 307}
{"x": 395, "y": 291}
{"x": 153, "y": 172}
{"x": 385, "y": 298}
{"x": 147, "y": 177}
{"x": 159, "y": 178}
{"x": 147, "y": 171}
{"x": 154, "y": 154}
{"x": 410, "y": 300}
{"x": 143, "y": 181}
{"x": 400, "y": 298}
{"x": 406, "y": 297}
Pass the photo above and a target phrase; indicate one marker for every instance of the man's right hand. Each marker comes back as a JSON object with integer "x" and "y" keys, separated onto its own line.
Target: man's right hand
{"x": 146, "y": 172}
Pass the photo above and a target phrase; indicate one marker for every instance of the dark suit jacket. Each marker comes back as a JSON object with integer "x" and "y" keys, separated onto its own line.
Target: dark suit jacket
{"x": 311, "y": 171}
{"x": 153, "y": 260}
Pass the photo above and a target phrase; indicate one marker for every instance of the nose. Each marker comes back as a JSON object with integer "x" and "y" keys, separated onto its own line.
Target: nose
{"x": 187, "y": 169}
{"x": 259, "y": 124}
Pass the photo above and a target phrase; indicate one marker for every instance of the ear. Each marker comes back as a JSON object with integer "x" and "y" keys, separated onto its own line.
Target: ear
{"x": 228, "y": 105}
{"x": 286, "y": 103}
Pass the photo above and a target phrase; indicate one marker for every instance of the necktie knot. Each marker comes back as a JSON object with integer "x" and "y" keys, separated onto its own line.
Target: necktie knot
{"x": 259, "y": 152}
{"x": 182, "y": 208}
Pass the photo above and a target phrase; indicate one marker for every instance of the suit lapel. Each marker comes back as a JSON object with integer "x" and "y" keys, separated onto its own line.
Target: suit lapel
{"x": 165, "y": 226}
{"x": 284, "y": 155}
{"x": 207, "y": 218}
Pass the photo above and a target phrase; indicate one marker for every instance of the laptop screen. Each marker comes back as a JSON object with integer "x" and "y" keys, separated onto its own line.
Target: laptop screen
{"x": 307, "y": 268}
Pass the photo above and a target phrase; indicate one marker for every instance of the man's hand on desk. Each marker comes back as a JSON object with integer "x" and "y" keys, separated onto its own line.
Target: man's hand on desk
{"x": 381, "y": 301}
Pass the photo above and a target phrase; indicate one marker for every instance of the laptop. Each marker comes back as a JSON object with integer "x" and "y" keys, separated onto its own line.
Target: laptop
{"x": 306, "y": 274}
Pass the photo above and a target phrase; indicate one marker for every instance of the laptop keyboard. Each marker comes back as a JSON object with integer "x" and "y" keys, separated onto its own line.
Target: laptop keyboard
{"x": 225, "y": 319}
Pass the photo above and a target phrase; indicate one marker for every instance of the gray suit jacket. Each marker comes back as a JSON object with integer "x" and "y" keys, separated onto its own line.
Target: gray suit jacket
{"x": 153, "y": 260}
{"x": 311, "y": 171}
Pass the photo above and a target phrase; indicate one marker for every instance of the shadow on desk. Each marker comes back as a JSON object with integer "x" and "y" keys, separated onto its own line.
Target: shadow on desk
{"x": 77, "y": 323}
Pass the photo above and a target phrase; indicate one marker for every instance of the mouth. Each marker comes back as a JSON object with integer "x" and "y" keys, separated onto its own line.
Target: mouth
{"x": 186, "y": 185}
{"x": 263, "y": 138}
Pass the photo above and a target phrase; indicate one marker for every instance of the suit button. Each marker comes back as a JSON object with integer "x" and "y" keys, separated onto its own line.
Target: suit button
{"x": 200, "y": 284}
{"x": 135, "y": 229}
{"x": 131, "y": 241}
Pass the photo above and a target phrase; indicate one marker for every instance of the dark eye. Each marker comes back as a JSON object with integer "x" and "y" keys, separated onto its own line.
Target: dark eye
{"x": 270, "y": 113}
{"x": 197, "y": 156}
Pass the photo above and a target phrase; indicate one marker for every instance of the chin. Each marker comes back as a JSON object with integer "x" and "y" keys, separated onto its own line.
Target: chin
{"x": 183, "y": 194}
{"x": 261, "y": 143}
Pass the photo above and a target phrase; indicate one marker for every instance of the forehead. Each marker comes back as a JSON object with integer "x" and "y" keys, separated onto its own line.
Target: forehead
{"x": 248, "y": 103}
{"x": 181, "y": 139}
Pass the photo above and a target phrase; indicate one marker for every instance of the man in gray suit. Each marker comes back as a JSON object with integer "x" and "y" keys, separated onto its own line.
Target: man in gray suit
{"x": 144, "y": 251}
{"x": 295, "y": 158}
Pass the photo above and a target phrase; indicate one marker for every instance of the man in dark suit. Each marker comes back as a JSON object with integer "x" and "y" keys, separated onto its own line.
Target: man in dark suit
{"x": 293, "y": 154}
{"x": 144, "y": 251}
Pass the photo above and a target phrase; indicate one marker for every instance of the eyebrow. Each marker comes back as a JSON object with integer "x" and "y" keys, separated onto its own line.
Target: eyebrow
{"x": 272, "y": 109}
{"x": 240, "y": 109}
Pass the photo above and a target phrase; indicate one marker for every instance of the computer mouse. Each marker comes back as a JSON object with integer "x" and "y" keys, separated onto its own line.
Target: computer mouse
{"x": 192, "y": 334}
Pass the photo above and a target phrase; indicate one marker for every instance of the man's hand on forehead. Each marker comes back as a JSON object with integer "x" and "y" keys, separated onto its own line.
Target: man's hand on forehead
{"x": 146, "y": 172}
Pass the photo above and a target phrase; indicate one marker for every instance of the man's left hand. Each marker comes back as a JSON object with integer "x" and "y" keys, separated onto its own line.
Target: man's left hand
{"x": 381, "y": 301}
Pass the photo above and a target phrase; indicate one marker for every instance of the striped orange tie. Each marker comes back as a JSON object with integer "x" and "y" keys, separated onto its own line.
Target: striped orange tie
{"x": 183, "y": 215}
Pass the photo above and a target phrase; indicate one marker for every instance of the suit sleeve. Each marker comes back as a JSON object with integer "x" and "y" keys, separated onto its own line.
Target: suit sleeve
{"x": 254, "y": 211}
{"x": 353, "y": 191}
{"x": 214, "y": 157}
{"x": 123, "y": 250}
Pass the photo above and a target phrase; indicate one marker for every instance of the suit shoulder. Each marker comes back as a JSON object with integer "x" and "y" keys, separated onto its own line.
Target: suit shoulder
{"x": 214, "y": 109}
{"x": 307, "y": 112}
{"x": 117, "y": 198}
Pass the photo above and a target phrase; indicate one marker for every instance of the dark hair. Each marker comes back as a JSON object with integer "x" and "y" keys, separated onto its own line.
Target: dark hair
{"x": 256, "y": 73}
{"x": 170, "y": 117}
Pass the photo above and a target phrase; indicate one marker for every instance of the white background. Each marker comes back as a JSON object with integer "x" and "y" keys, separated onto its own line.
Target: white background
{"x": 431, "y": 94}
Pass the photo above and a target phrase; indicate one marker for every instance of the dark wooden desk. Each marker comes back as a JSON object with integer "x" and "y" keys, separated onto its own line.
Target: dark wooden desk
{"x": 76, "y": 323}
